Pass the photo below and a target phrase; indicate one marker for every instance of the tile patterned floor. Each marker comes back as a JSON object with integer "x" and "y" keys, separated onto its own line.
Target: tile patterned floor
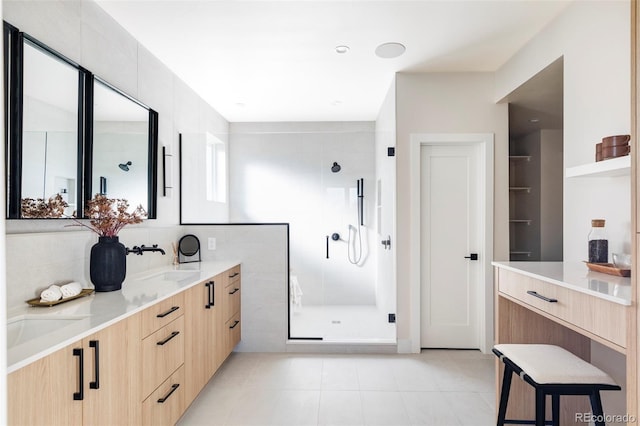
{"x": 436, "y": 387}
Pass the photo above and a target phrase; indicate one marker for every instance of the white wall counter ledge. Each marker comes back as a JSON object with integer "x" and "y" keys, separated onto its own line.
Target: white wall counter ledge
{"x": 575, "y": 276}
{"x": 90, "y": 314}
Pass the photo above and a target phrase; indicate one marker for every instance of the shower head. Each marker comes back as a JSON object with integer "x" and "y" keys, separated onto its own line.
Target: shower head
{"x": 125, "y": 166}
{"x": 336, "y": 167}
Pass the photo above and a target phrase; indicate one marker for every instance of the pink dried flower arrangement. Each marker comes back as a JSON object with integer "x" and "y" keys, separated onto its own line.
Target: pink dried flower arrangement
{"x": 39, "y": 208}
{"x": 107, "y": 216}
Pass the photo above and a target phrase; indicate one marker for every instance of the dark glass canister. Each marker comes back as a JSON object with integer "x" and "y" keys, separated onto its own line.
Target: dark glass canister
{"x": 598, "y": 242}
{"x": 108, "y": 264}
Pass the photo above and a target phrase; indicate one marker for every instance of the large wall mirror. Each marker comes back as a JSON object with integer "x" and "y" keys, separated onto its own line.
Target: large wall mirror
{"x": 124, "y": 144}
{"x": 70, "y": 135}
{"x": 44, "y": 134}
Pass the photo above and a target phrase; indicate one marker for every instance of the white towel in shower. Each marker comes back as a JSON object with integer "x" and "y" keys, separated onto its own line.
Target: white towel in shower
{"x": 51, "y": 294}
{"x": 72, "y": 289}
{"x": 295, "y": 291}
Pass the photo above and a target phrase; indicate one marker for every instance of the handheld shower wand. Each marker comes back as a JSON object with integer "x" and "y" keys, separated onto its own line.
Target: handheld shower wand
{"x": 360, "y": 183}
{"x": 357, "y": 254}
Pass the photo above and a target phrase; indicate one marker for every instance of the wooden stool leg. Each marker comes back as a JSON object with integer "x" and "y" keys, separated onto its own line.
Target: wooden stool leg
{"x": 540, "y": 407}
{"x": 596, "y": 408}
{"x": 504, "y": 395}
{"x": 555, "y": 409}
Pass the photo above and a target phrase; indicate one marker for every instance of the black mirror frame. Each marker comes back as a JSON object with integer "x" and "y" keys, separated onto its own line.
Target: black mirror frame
{"x": 13, "y": 102}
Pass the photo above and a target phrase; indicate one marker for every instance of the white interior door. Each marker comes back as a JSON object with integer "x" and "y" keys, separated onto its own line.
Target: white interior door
{"x": 450, "y": 230}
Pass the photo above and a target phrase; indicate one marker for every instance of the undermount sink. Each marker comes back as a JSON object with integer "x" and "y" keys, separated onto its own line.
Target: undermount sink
{"x": 28, "y": 327}
{"x": 172, "y": 275}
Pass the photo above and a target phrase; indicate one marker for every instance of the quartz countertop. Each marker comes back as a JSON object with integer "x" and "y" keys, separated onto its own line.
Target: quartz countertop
{"x": 87, "y": 315}
{"x": 575, "y": 276}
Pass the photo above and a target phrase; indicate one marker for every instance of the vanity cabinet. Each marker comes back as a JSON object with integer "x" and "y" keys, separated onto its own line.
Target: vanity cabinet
{"x": 144, "y": 369}
{"x": 163, "y": 356}
{"x": 204, "y": 320}
{"x": 94, "y": 381}
{"x": 213, "y": 318}
{"x": 231, "y": 330}
{"x": 599, "y": 319}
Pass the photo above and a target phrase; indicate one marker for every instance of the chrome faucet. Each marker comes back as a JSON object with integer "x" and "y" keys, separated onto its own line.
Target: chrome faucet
{"x": 143, "y": 248}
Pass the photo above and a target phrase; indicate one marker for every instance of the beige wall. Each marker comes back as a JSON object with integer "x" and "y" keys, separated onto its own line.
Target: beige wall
{"x": 444, "y": 103}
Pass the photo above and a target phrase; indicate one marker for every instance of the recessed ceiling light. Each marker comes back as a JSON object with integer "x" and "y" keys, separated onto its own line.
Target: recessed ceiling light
{"x": 336, "y": 102}
{"x": 240, "y": 104}
{"x": 534, "y": 120}
{"x": 390, "y": 50}
{"x": 342, "y": 49}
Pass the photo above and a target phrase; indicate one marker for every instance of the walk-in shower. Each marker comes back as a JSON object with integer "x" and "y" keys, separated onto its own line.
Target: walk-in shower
{"x": 324, "y": 184}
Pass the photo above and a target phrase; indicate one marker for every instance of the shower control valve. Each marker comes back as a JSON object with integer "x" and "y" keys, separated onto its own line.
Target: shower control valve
{"x": 387, "y": 243}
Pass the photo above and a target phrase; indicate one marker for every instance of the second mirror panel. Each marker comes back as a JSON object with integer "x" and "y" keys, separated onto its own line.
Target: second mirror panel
{"x": 120, "y": 147}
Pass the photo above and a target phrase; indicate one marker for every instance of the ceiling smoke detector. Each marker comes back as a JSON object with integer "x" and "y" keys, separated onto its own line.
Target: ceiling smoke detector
{"x": 390, "y": 50}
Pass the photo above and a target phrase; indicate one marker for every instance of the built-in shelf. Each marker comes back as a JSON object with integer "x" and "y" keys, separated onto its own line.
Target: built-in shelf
{"x": 520, "y": 188}
{"x": 520, "y": 253}
{"x": 526, "y": 221}
{"x": 619, "y": 166}
{"x": 520, "y": 157}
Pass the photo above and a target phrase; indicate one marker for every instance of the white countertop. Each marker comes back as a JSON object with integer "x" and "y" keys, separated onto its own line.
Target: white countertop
{"x": 97, "y": 311}
{"x": 575, "y": 276}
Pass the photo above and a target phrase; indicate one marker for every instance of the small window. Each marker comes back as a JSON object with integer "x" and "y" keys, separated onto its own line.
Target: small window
{"x": 216, "y": 172}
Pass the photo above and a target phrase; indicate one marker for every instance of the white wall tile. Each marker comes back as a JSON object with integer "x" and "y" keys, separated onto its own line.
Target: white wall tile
{"x": 56, "y": 23}
{"x": 107, "y": 50}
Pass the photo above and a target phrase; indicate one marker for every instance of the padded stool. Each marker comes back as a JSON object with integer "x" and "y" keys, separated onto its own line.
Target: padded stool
{"x": 554, "y": 371}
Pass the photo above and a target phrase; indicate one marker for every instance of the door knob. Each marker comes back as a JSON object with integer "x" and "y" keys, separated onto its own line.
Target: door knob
{"x": 472, "y": 256}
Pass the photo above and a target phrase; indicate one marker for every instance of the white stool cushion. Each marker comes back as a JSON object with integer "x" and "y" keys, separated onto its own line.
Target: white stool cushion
{"x": 547, "y": 364}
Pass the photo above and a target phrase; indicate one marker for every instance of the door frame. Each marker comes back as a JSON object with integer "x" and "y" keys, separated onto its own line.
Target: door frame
{"x": 485, "y": 141}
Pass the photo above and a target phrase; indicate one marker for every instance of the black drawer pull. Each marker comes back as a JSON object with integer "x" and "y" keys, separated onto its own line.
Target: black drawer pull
{"x": 95, "y": 344}
{"x": 164, "y": 314}
{"x": 162, "y": 342}
{"x": 173, "y": 389}
{"x": 539, "y": 296}
{"x": 235, "y": 274}
{"x": 211, "y": 296}
{"x": 79, "y": 396}
{"x": 236, "y": 322}
{"x": 235, "y": 290}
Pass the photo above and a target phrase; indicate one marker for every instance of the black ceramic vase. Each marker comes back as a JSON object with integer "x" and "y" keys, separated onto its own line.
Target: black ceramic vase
{"x": 108, "y": 264}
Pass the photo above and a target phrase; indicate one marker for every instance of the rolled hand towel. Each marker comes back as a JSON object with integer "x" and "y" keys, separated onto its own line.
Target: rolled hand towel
{"x": 71, "y": 289}
{"x": 51, "y": 294}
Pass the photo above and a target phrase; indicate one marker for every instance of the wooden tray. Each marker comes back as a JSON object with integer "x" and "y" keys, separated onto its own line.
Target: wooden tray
{"x": 608, "y": 268}
{"x": 36, "y": 301}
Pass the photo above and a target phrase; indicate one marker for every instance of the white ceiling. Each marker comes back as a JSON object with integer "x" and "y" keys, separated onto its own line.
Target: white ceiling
{"x": 275, "y": 60}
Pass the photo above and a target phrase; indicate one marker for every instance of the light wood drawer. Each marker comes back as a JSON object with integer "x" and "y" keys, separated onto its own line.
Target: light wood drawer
{"x": 162, "y": 354}
{"x": 232, "y": 333}
{"x": 231, "y": 300}
{"x": 602, "y": 318}
{"x": 162, "y": 313}
{"x": 233, "y": 275}
{"x": 166, "y": 404}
